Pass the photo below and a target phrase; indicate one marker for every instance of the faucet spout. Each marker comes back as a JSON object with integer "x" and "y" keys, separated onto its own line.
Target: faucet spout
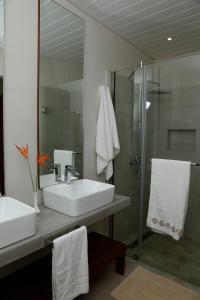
{"x": 68, "y": 174}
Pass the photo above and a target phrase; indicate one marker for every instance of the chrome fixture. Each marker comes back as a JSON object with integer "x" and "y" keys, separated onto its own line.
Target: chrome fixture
{"x": 68, "y": 174}
{"x": 193, "y": 164}
{"x": 57, "y": 170}
{"x": 139, "y": 66}
{"x": 159, "y": 91}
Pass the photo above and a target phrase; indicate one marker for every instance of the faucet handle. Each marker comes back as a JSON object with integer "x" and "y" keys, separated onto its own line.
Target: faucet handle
{"x": 76, "y": 173}
{"x": 68, "y": 167}
{"x": 58, "y": 172}
{"x": 51, "y": 170}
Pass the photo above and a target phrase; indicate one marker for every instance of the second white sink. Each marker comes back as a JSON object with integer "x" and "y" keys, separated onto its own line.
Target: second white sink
{"x": 17, "y": 221}
{"x": 79, "y": 197}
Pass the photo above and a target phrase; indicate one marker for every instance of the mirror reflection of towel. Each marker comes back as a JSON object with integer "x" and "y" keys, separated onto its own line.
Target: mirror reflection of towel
{"x": 107, "y": 141}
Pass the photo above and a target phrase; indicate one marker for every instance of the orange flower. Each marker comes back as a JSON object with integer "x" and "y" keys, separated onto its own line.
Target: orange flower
{"x": 41, "y": 159}
{"x": 23, "y": 150}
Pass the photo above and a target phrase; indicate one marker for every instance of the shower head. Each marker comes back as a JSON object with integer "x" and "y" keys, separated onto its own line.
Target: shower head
{"x": 158, "y": 91}
{"x": 153, "y": 82}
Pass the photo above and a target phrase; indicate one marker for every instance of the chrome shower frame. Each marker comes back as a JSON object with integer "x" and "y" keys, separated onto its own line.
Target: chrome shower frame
{"x": 141, "y": 151}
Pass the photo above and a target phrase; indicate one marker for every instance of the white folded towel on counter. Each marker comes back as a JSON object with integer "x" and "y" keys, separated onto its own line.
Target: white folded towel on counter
{"x": 170, "y": 182}
{"x": 107, "y": 141}
{"x": 70, "y": 276}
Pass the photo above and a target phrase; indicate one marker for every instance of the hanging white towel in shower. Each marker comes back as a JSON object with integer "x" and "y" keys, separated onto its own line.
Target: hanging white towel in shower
{"x": 107, "y": 141}
{"x": 70, "y": 276}
{"x": 170, "y": 182}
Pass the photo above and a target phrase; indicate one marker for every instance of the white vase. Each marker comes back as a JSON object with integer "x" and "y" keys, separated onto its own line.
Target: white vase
{"x": 36, "y": 203}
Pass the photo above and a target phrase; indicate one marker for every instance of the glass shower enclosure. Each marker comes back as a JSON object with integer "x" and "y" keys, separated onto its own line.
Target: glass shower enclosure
{"x": 158, "y": 115}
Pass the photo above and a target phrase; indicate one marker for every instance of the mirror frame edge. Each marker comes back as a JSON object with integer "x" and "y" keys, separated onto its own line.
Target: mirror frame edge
{"x": 2, "y": 119}
{"x": 38, "y": 89}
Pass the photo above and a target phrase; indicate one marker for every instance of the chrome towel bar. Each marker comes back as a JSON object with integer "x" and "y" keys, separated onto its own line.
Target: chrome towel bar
{"x": 195, "y": 164}
{"x": 49, "y": 242}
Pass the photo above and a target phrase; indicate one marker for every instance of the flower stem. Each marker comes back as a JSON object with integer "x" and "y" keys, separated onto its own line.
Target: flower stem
{"x": 36, "y": 184}
{"x": 31, "y": 175}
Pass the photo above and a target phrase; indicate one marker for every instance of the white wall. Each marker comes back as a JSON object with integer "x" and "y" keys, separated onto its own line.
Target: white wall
{"x": 108, "y": 52}
{"x": 56, "y": 71}
{"x": 20, "y": 95}
{"x": 103, "y": 50}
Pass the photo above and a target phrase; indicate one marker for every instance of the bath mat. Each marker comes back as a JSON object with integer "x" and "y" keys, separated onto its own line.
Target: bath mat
{"x": 143, "y": 284}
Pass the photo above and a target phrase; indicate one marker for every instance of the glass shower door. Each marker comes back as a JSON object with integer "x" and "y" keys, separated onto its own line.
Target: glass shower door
{"x": 131, "y": 173}
{"x": 125, "y": 223}
{"x": 157, "y": 110}
{"x": 173, "y": 132}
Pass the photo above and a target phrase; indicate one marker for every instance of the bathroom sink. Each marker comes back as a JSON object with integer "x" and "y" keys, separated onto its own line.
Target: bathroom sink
{"x": 17, "y": 221}
{"x": 79, "y": 197}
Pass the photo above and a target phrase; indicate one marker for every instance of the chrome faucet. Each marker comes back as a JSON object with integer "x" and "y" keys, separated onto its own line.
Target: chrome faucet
{"x": 57, "y": 170}
{"x": 68, "y": 174}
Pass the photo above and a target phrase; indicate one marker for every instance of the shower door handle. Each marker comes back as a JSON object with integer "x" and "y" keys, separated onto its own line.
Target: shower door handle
{"x": 135, "y": 162}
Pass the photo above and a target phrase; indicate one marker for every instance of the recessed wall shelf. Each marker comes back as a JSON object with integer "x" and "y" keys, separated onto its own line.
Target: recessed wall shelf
{"x": 181, "y": 139}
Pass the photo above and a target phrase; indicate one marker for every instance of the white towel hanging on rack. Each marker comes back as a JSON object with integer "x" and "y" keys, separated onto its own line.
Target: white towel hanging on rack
{"x": 107, "y": 141}
{"x": 170, "y": 182}
{"x": 70, "y": 275}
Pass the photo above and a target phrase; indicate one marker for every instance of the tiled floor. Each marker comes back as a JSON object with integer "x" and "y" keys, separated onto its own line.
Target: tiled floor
{"x": 181, "y": 258}
{"x": 143, "y": 284}
{"x": 102, "y": 287}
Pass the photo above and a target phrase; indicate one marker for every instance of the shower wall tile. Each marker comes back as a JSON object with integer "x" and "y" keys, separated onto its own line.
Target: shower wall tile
{"x": 54, "y": 97}
{"x": 60, "y": 128}
{"x": 180, "y": 116}
{"x": 178, "y": 111}
{"x": 181, "y": 97}
{"x": 126, "y": 138}
{"x": 76, "y": 120}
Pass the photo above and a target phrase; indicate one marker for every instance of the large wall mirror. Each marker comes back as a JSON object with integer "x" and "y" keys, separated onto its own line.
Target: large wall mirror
{"x": 60, "y": 92}
{"x": 1, "y": 94}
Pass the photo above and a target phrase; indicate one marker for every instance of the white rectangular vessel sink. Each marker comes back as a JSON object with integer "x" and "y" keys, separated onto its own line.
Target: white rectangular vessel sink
{"x": 17, "y": 221}
{"x": 79, "y": 197}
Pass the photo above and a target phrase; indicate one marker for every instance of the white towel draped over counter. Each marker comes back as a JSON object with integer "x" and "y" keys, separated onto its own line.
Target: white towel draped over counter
{"x": 170, "y": 181}
{"x": 107, "y": 141}
{"x": 70, "y": 265}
